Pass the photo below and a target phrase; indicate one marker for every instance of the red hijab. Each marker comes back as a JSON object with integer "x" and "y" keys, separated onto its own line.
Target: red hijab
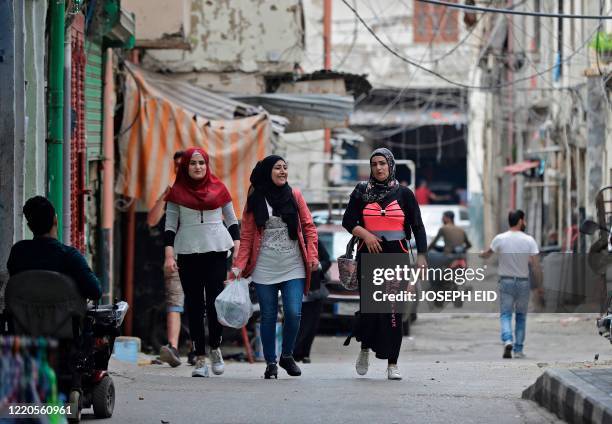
{"x": 206, "y": 194}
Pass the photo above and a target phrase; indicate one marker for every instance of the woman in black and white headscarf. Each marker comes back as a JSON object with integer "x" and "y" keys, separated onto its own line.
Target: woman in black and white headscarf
{"x": 383, "y": 214}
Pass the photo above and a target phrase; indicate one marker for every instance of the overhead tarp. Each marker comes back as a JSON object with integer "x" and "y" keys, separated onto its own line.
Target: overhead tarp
{"x": 199, "y": 101}
{"x": 306, "y": 112}
{"x": 365, "y": 117}
{"x": 154, "y": 127}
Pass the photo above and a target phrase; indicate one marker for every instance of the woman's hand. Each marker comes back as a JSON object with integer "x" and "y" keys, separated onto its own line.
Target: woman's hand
{"x": 235, "y": 273}
{"x": 170, "y": 265}
{"x": 313, "y": 266}
{"x": 373, "y": 243}
{"x": 421, "y": 261}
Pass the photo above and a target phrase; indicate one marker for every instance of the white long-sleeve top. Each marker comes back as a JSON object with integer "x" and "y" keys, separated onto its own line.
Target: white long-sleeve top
{"x": 200, "y": 231}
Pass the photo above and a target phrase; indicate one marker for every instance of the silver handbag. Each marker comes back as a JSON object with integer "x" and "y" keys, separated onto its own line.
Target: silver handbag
{"x": 347, "y": 266}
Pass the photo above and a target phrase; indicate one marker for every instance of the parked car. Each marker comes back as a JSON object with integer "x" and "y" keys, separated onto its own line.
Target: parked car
{"x": 341, "y": 304}
{"x": 322, "y": 216}
{"x": 432, "y": 220}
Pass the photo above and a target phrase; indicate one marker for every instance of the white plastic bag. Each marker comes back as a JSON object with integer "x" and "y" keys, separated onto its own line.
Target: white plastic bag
{"x": 234, "y": 307}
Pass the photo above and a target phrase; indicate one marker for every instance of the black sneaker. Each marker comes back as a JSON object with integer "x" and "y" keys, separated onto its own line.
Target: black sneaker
{"x": 191, "y": 358}
{"x": 507, "y": 351}
{"x": 271, "y": 371}
{"x": 288, "y": 363}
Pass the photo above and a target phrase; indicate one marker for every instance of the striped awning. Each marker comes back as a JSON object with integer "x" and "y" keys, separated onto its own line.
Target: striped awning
{"x": 156, "y": 124}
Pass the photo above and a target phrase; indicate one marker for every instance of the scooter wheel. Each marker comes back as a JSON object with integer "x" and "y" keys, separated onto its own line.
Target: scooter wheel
{"x": 103, "y": 397}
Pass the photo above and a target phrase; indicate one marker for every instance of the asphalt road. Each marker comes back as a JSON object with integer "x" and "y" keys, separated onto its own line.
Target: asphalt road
{"x": 452, "y": 367}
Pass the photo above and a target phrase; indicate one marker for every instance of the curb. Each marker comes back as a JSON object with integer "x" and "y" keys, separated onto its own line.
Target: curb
{"x": 570, "y": 397}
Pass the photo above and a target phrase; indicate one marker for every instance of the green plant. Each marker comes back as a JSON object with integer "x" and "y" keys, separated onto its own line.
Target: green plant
{"x": 602, "y": 42}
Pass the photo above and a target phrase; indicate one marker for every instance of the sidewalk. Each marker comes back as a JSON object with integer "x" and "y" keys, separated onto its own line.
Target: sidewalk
{"x": 577, "y": 395}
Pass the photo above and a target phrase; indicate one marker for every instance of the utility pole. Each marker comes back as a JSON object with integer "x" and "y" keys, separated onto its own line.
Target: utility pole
{"x": 108, "y": 210}
{"x": 327, "y": 28}
{"x": 510, "y": 127}
{"x": 56, "y": 111}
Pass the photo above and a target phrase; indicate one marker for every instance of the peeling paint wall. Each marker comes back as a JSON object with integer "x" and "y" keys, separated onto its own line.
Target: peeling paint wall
{"x": 228, "y": 82}
{"x": 235, "y": 35}
{"x": 154, "y": 19}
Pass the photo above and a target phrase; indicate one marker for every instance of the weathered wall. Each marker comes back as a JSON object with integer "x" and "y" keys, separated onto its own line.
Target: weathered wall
{"x": 230, "y": 35}
{"x": 155, "y": 20}
{"x": 300, "y": 150}
{"x": 230, "y": 82}
{"x": 355, "y": 50}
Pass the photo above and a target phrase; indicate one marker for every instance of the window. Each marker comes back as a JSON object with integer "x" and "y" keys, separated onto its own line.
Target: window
{"x": 438, "y": 24}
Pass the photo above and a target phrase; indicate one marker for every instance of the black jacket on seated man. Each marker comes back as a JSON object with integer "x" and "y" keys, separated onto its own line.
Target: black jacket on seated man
{"x": 47, "y": 253}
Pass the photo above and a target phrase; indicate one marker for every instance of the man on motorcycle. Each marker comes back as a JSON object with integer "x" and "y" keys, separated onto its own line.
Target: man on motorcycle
{"x": 46, "y": 252}
{"x": 453, "y": 236}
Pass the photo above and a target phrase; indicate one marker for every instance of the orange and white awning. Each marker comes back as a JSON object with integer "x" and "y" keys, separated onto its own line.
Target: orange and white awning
{"x": 154, "y": 127}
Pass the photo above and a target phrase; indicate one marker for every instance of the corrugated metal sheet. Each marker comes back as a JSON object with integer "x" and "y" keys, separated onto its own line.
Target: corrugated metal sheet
{"x": 199, "y": 101}
{"x": 93, "y": 98}
{"x": 329, "y": 107}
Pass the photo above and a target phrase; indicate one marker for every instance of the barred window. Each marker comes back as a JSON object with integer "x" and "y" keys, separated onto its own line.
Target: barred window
{"x": 439, "y": 23}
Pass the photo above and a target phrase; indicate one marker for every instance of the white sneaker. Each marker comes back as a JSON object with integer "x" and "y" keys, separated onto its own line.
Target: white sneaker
{"x": 363, "y": 362}
{"x": 218, "y": 366}
{"x": 519, "y": 355}
{"x": 393, "y": 373}
{"x": 201, "y": 368}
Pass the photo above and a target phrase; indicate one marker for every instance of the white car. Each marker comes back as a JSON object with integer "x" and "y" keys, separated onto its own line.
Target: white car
{"x": 432, "y": 219}
{"x": 321, "y": 216}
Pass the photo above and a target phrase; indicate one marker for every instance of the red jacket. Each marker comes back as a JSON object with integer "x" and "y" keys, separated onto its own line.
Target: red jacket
{"x": 251, "y": 235}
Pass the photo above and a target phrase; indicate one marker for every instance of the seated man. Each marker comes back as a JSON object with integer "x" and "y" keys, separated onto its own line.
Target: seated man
{"x": 452, "y": 235}
{"x": 45, "y": 252}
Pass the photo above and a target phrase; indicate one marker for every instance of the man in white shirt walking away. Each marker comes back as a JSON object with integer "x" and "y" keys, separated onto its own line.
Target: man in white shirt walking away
{"x": 517, "y": 251}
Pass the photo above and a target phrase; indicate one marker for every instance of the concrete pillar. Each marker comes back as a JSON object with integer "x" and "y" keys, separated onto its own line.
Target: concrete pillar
{"x": 596, "y": 139}
{"x": 12, "y": 124}
{"x": 35, "y": 146}
{"x": 476, "y": 161}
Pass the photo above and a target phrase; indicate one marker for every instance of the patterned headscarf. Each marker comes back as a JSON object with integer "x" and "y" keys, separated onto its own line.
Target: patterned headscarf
{"x": 377, "y": 190}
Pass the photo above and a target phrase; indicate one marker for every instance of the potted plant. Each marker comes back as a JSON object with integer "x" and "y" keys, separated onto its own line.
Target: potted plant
{"x": 602, "y": 43}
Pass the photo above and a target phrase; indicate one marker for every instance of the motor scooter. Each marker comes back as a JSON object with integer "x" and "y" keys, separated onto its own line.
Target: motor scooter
{"x": 600, "y": 253}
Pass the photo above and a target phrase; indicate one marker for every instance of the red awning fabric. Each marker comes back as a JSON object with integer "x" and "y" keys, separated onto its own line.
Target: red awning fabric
{"x": 517, "y": 168}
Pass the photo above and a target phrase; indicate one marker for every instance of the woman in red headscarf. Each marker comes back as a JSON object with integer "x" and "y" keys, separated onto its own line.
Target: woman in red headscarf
{"x": 198, "y": 206}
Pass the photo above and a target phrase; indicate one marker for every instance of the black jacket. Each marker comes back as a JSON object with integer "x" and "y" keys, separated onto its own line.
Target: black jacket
{"x": 49, "y": 254}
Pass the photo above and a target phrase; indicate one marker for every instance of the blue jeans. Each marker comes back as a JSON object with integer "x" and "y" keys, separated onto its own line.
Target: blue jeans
{"x": 513, "y": 297}
{"x": 291, "y": 292}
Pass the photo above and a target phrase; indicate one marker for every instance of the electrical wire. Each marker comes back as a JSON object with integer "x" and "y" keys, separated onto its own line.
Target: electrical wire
{"x": 467, "y": 36}
{"x": 355, "y": 34}
{"x": 512, "y": 12}
{"x": 399, "y": 95}
{"x": 450, "y": 81}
